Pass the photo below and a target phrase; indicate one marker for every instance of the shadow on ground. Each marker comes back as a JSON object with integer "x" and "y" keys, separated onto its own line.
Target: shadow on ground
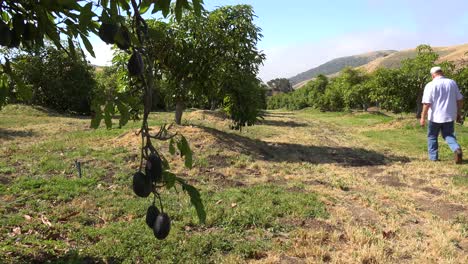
{"x": 8, "y": 134}
{"x": 375, "y": 112}
{"x": 278, "y": 114}
{"x": 68, "y": 258}
{"x": 353, "y": 157}
{"x": 280, "y": 123}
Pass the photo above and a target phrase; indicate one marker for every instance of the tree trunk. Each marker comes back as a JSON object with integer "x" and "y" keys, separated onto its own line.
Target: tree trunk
{"x": 213, "y": 105}
{"x": 180, "y": 106}
{"x": 419, "y": 101}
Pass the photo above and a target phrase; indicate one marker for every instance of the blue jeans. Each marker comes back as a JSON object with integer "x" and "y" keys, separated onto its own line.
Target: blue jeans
{"x": 447, "y": 133}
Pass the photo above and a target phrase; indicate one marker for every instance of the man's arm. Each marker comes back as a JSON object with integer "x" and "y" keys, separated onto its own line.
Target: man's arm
{"x": 424, "y": 114}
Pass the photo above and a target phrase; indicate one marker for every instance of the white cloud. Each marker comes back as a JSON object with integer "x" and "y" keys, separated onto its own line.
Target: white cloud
{"x": 103, "y": 54}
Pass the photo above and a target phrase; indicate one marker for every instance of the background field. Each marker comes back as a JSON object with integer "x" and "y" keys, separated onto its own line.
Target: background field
{"x": 300, "y": 187}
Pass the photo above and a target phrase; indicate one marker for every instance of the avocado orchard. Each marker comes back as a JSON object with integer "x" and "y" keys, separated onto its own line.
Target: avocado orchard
{"x": 28, "y": 23}
{"x": 397, "y": 90}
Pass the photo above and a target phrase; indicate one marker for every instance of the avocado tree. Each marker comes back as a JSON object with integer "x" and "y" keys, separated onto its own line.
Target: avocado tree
{"x": 416, "y": 71}
{"x": 280, "y": 85}
{"x": 54, "y": 80}
{"x": 205, "y": 60}
{"x": 401, "y": 90}
{"x": 185, "y": 63}
{"x": 356, "y": 88}
{"x": 390, "y": 91}
{"x": 214, "y": 58}
{"x": 461, "y": 77}
{"x": 238, "y": 63}
{"x": 29, "y": 23}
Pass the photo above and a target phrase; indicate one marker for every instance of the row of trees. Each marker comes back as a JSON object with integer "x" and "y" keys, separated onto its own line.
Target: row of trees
{"x": 396, "y": 90}
{"x": 50, "y": 78}
{"x": 208, "y": 60}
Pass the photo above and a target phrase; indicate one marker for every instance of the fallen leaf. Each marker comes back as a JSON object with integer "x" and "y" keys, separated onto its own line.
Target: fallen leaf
{"x": 233, "y": 205}
{"x": 16, "y": 231}
{"x": 45, "y": 221}
{"x": 220, "y": 201}
{"x": 27, "y": 217}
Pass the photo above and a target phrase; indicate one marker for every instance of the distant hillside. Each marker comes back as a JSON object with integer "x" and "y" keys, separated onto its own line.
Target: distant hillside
{"x": 336, "y": 65}
{"x": 99, "y": 68}
{"x": 455, "y": 54}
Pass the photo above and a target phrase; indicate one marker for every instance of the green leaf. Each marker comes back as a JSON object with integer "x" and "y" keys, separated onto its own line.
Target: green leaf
{"x": 68, "y": 4}
{"x": 5, "y": 16}
{"x": 169, "y": 178}
{"x": 165, "y": 163}
{"x": 96, "y": 121}
{"x": 171, "y": 147}
{"x": 188, "y": 160}
{"x": 197, "y": 6}
{"x": 145, "y": 5}
{"x": 124, "y": 4}
{"x": 114, "y": 10}
{"x": 108, "y": 113}
{"x": 88, "y": 45}
{"x": 195, "y": 199}
{"x": 86, "y": 15}
{"x": 162, "y": 5}
{"x": 186, "y": 152}
{"x": 179, "y": 8}
{"x": 71, "y": 47}
{"x": 104, "y": 3}
{"x": 124, "y": 114}
{"x": 52, "y": 33}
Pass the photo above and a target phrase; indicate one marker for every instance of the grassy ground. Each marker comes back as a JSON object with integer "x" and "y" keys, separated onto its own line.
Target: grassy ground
{"x": 302, "y": 187}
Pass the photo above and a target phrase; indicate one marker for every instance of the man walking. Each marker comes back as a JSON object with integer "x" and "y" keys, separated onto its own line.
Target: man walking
{"x": 442, "y": 105}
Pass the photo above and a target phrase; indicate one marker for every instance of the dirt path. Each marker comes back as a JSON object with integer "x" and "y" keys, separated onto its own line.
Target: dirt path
{"x": 384, "y": 208}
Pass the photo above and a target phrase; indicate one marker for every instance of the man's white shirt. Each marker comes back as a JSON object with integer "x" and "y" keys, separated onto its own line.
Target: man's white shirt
{"x": 442, "y": 93}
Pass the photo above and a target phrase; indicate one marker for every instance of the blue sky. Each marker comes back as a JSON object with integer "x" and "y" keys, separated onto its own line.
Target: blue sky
{"x": 301, "y": 34}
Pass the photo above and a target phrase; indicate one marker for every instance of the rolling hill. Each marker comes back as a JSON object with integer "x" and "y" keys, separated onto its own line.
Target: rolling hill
{"x": 336, "y": 65}
{"x": 455, "y": 54}
{"x": 377, "y": 59}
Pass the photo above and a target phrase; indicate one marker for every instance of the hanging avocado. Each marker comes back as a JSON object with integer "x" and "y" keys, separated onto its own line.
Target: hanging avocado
{"x": 162, "y": 226}
{"x": 122, "y": 38}
{"x": 151, "y": 215}
{"x": 141, "y": 184}
{"x": 5, "y": 34}
{"x": 107, "y": 32}
{"x": 153, "y": 168}
{"x": 135, "y": 64}
{"x": 29, "y": 32}
{"x": 18, "y": 24}
{"x": 15, "y": 39}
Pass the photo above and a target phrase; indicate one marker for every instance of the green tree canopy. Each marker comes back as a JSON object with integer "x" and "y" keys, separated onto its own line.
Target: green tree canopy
{"x": 55, "y": 80}
{"x": 280, "y": 85}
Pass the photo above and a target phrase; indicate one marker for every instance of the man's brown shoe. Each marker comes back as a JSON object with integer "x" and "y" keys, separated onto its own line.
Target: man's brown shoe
{"x": 458, "y": 156}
